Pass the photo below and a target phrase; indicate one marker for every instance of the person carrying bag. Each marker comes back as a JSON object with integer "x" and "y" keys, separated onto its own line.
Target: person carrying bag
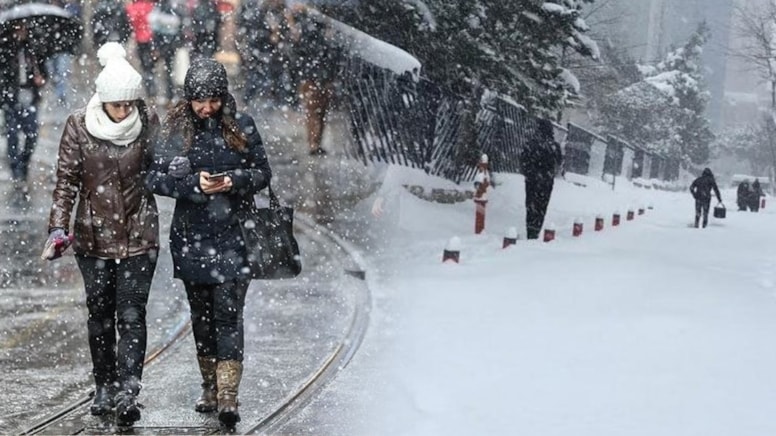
{"x": 701, "y": 190}
{"x": 211, "y": 160}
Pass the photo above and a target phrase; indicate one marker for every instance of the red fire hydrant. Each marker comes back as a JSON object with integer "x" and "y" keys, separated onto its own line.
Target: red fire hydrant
{"x": 481, "y": 184}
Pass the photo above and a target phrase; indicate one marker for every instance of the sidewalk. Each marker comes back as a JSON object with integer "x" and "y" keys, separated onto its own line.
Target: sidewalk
{"x": 43, "y": 334}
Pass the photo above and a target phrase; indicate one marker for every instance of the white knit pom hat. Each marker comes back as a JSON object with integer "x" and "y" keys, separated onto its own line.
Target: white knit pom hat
{"x": 117, "y": 81}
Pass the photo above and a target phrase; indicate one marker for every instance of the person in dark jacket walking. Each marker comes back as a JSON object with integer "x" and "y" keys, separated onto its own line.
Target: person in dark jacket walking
{"x": 110, "y": 23}
{"x": 262, "y": 40}
{"x": 212, "y": 161}
{"x": 104, "y": 154}
{"x": 743, "y": 192}
{"x": 701, "y": 190}
{"x": 540, "y": 161}
{"x": 757, "y": 193}
{"x": 22, "y": 74}
{"x": 316, "y": 62}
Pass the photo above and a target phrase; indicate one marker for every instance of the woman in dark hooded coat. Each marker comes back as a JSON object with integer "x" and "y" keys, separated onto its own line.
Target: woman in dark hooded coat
{"x": 204, "y": 135}
{"x": 701, "y": 190}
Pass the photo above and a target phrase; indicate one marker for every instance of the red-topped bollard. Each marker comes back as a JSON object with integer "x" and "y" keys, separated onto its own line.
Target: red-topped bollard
{"x": 599, "y": 223}
{"x": 481, "y": 184}
{"x": 616, "y": 219}
{"x": 576, "y": 230}
{"x": 452, "y": 251}
{"x": 479, "y": 215}
{"x": 510, "y": 238}
{"x": 549, "y": 233}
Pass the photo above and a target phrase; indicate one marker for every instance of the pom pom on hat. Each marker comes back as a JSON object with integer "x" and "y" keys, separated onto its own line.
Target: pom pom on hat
{"x": 110, "y": 50}
{"x": 118, "y": 80}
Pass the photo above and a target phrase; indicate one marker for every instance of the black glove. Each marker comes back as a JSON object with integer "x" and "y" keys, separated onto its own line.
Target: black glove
{"x": 180, "y": 167}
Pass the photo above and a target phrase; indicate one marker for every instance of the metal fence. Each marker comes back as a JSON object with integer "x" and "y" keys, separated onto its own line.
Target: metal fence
{"x": 400, "y": 120}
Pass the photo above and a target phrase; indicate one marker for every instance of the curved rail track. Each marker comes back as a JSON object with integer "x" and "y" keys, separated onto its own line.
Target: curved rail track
{"x": 276, "y": 414}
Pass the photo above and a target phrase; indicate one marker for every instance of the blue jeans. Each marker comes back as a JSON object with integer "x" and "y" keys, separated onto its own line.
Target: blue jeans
{"x": 24, "y": 121}
{"x": 60, "y": 66}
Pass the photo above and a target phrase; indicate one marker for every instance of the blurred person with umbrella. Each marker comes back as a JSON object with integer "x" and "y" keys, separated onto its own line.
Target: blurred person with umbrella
{"x": 29, "y": 34}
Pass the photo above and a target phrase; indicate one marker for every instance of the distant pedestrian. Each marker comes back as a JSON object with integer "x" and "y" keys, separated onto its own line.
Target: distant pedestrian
{"x": 743, "y": 194}
{"x": 211, "y": 159}
{"x": 104, "y": 154}
{"x": 540, "y": 162}
{"x": 757, "y": 193}
{"x": 61, "y": 64}
{"x": 110, "y": 23}
{"x": 701, "y": 191}
{"x": 206, "y": 24}
{"x": 138, "y": 12}
{"x": 317, "y": 60}
{"x": 22, "y": 75}
{"x": 263, "y": 40}
{"x": 165, "y": 21}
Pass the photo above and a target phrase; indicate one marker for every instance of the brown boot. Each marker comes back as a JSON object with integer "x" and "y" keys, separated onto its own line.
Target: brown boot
{"x": 229, "y": 373}
{"x": 208, "y": 401}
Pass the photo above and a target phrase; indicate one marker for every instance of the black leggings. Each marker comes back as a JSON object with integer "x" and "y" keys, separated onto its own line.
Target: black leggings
{"x": 116, "y": 297}
{"x": 217, "y": 318}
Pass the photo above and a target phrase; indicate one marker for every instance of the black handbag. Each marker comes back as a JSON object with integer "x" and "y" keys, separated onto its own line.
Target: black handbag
{"x": 719, "y": 211}
{"x": 268, "y": 232}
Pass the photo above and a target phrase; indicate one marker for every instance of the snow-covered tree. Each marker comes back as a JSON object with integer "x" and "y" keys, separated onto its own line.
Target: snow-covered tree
{"x": 641, "y": 115}
{"x": 680, "y": 77}
{"x": 665, "y": 112}
{"x": 756, "y": 27}
{"x": 513, "y": 47}
{"x": 750, "y": 143}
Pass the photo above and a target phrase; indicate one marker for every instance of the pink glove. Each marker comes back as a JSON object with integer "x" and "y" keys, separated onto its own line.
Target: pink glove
{"x": 56, "y": 244}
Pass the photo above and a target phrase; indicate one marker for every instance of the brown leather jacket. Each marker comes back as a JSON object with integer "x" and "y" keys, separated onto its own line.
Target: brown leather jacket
{"x": 116, "y": 216}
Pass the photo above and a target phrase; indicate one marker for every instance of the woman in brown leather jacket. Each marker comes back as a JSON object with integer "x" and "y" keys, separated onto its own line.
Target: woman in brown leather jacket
{"x": 104, "y": 154}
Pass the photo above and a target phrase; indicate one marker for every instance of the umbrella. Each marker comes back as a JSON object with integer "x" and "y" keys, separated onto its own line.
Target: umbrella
{"x": 51, "y": 29}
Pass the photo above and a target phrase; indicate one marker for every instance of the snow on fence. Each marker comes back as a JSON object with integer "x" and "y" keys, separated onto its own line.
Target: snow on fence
{"x": 399, "y": 117}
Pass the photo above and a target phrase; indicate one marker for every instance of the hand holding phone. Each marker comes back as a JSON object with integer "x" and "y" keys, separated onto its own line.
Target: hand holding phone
{"x": 217, "y": 177}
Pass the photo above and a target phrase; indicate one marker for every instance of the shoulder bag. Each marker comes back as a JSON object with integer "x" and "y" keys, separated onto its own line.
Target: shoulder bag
{"x": 268, "y": 232}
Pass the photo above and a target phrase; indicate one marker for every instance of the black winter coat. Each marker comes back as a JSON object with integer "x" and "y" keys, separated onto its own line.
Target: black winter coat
{"x": 702, "y": 186}
{"x": 205, "y": 237}
{"x": 541, "y": 158}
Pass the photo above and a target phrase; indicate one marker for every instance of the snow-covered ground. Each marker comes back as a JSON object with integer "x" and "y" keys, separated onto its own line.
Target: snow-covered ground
{"x": 649, "y": 328}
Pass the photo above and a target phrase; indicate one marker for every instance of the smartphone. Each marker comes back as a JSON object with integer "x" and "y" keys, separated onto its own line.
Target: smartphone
{"x": 217, "y": 177}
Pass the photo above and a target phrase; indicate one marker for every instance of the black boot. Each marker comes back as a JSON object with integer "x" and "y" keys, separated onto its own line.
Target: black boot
{"x": 103, "y": 400}
{"x": 127, "y": 409}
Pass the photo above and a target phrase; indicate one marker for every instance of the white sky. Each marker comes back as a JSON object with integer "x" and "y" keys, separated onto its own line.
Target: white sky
{"x": 651, "y": 328}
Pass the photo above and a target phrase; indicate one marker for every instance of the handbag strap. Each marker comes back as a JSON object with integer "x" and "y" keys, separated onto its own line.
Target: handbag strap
{"x": 274, "y": 203}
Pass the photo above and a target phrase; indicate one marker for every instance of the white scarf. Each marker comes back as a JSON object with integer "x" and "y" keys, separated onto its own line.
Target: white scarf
{"x": 99, "y": 124}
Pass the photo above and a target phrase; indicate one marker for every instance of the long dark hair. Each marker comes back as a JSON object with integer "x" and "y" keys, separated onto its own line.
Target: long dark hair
{"x": 180, "y": 121}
